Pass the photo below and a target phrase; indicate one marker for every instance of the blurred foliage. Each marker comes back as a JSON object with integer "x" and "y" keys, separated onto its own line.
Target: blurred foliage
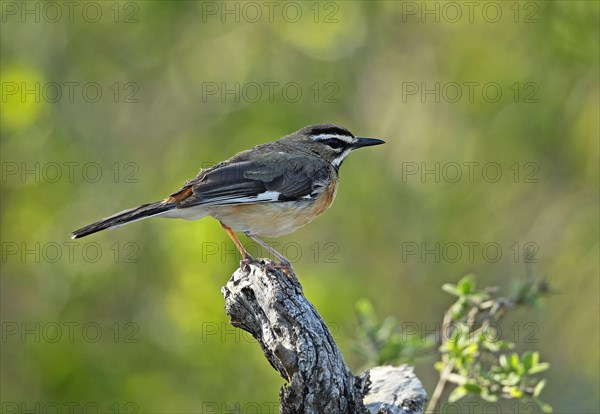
{"x": 157, "y": 283}
{"x": 386, "y": 342}
{"x": 469, "y": 342}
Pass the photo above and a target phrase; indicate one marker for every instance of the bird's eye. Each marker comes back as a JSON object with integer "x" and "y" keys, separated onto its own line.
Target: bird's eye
{"x": 334, "y": 143}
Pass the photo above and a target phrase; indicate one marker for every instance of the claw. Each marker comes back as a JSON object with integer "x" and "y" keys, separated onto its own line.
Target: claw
{"x": 285, "y": 267}
{"x": 245, "y": 262}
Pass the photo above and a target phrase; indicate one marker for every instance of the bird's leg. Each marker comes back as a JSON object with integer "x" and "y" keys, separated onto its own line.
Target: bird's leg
{"x": 284, "y": 264}
{"x": 246, "y": 258}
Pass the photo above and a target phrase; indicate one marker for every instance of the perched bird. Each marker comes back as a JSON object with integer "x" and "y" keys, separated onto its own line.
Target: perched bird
{"x": 270, "y": 190}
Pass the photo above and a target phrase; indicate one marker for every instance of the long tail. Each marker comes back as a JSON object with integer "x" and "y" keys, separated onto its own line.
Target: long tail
{"x": 124, "y": 217}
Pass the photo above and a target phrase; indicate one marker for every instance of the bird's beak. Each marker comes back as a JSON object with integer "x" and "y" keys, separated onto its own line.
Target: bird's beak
{"x": 366, "y": 142}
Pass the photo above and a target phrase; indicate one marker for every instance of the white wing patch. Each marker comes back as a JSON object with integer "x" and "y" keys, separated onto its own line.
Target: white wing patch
{"x": 268, "y": 196}
{"x": 262, "y": 197}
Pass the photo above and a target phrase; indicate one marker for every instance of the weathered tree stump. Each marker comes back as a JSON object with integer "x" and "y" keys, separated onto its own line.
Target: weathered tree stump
{"x": 295, "y": 340}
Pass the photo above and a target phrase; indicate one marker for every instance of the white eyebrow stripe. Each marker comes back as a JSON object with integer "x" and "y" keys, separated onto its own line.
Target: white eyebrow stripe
{"x": 322, "y": 137}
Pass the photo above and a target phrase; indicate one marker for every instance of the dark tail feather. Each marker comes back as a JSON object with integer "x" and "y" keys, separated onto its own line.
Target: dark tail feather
{"x": 124, "y": 217}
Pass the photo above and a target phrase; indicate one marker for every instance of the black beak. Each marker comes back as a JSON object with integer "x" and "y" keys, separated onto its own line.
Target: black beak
{"x": 366, "y": 142}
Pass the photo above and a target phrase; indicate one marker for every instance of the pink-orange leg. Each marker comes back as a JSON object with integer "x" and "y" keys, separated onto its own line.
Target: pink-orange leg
{"x": 246, "y": 258}
{"x": 285, "y": 264}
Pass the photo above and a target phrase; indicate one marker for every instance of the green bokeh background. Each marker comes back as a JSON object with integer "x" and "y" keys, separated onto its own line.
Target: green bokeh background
{"x": 165, "y": 344}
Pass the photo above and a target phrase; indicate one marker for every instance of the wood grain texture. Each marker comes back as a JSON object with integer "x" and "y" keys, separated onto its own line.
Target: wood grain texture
{"x": 295, "y": 340}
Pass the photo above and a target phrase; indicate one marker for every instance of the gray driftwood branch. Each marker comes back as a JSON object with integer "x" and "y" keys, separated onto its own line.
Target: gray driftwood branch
{"x": 271, "y": 306}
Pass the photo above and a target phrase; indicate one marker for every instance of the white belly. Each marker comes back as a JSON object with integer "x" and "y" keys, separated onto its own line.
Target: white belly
{"x": 268, "y": 219}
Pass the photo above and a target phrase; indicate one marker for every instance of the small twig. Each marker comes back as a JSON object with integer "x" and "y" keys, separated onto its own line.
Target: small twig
{"x": 448, "y": 367}
{"x": 439, "y": 388}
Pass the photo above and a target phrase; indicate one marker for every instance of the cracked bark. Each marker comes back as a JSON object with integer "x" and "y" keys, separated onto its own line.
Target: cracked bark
{"x": 297, "y": 343}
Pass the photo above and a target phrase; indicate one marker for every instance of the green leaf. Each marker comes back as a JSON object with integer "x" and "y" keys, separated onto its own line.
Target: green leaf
{"x": 451, "y": 289}
{"x": 514, "y": 361}
{"x": 535, "y": 358}
{"x": 471, "y": 350}
{"x": 547, "y": 408}
{"x": 457, "y": 310}
{"x": 472, "y": 387}
{"x": 527, "y": 360}
{"x": 541, "y": 367}
{"x": 503, "y": 361}
{"x": 497, "y": 345}
{"x": 539, "y": 387}
{"x": 515, "y": 392}
{"x": 485, "y": 395}
{"x": 466, "y": 285}
{"x": 512, "y": 378}
{"x": 457, "y": 393}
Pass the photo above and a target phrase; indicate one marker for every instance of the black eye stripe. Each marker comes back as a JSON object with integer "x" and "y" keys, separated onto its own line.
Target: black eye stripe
{"x": 335, "y": 143}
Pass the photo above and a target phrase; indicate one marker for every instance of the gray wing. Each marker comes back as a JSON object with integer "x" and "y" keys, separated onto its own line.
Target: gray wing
{"x": 280, "y": 178}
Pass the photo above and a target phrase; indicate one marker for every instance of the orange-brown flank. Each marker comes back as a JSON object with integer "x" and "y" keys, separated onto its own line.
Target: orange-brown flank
{"x": 273, "y": 219}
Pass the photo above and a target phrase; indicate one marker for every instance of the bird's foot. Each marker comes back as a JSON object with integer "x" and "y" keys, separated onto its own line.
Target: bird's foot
{"x": 285, "y": 267}
{"x": 245, "y": 262}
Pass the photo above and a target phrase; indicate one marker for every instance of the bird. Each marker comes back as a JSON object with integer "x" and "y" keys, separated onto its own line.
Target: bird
{"x": 270, "y": 190}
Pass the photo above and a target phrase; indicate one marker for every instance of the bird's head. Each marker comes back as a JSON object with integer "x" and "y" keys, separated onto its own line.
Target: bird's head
{"x": 331, "y": 142}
